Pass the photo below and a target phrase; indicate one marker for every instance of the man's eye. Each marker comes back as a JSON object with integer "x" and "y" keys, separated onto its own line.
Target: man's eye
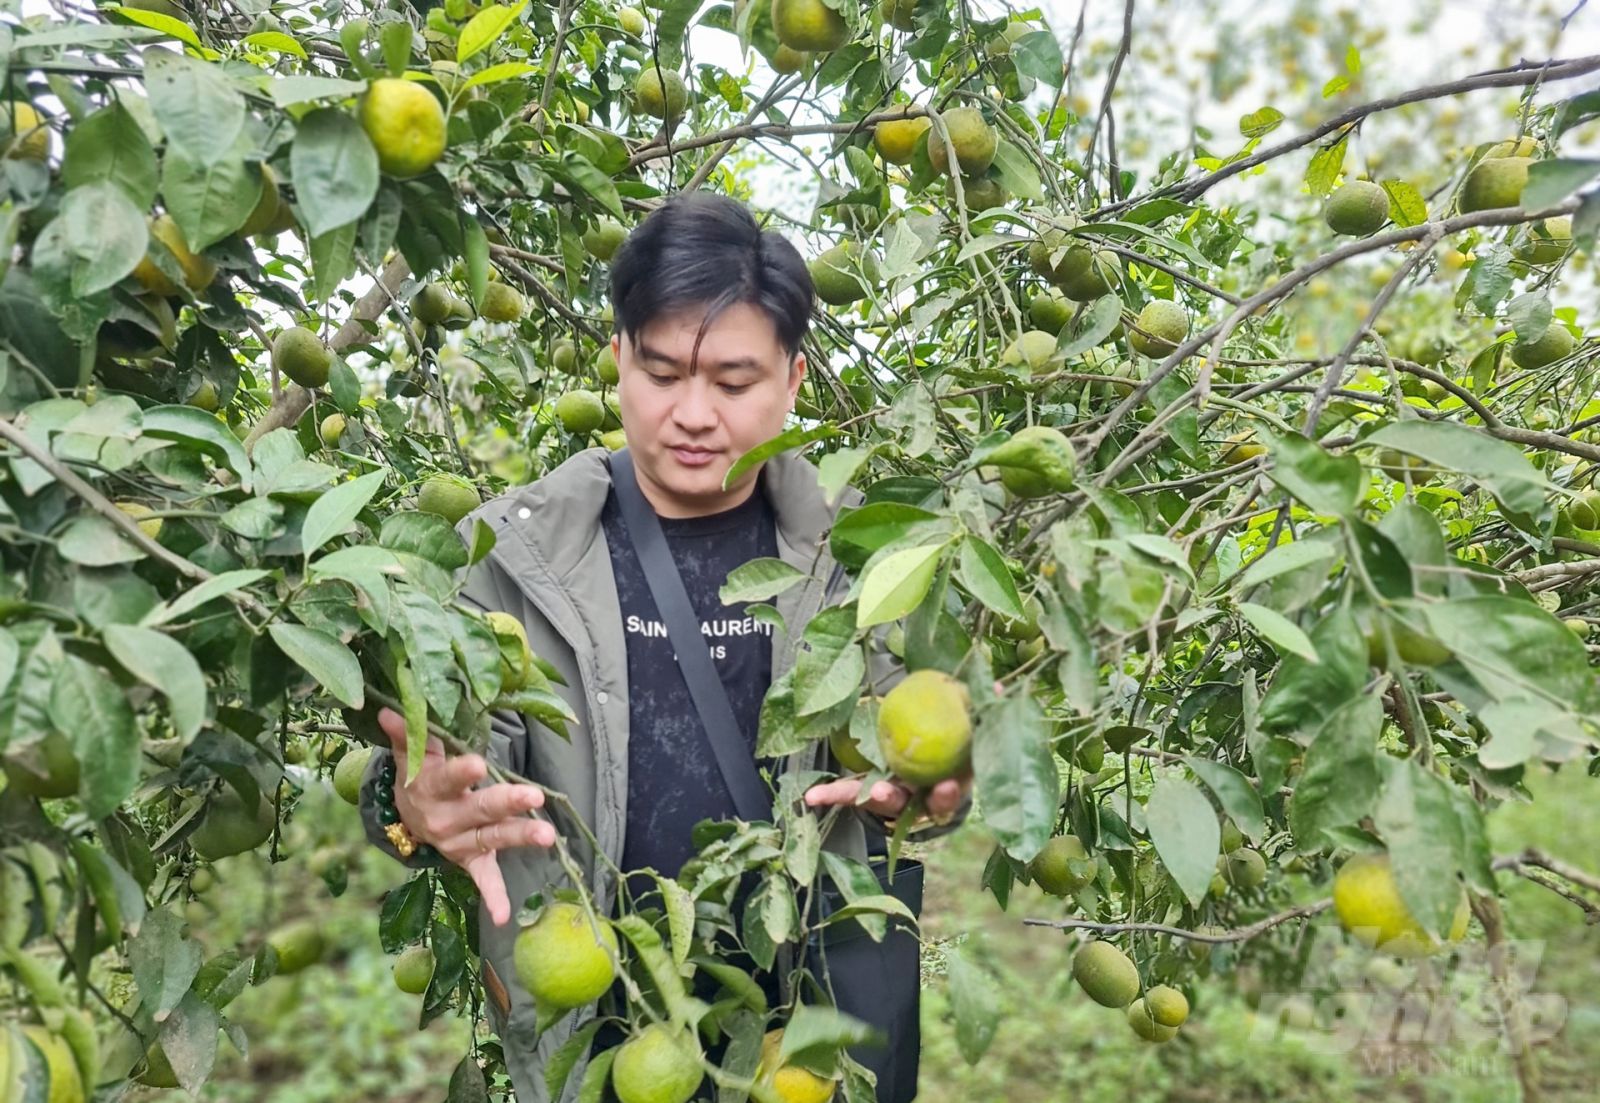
{"x": 740, "y": 389}
{"x": 661, "y": 379}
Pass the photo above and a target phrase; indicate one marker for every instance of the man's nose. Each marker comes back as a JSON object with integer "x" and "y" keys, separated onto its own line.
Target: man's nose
{"x": 695, "y": 408}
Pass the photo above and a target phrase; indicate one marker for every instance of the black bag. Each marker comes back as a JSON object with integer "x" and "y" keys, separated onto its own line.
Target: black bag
{"x": 877, "y": 982}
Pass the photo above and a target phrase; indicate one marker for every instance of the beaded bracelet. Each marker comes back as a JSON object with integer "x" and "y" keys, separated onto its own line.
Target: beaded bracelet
{"x": 389, "y": 816}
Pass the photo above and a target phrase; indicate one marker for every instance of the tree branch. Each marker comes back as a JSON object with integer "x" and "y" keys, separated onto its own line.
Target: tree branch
{"x": 1238, "y": 934}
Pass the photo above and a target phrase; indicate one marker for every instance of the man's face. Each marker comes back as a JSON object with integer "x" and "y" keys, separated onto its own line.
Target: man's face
{"x": 684, "y": 431}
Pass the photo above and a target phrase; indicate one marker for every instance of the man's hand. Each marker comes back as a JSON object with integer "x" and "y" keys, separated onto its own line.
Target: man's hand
{"x": 441, "y": 808}
{"x": 889, "y": 798}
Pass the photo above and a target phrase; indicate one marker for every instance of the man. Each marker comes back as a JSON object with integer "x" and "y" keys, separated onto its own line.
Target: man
{"x": 710, "y": 312}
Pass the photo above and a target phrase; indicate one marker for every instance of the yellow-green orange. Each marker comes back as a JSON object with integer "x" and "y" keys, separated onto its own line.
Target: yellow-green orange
{"x": 28, "y": 138}
{"x": 331, "y": 429}
{"x": 564, "y": 356}
{"x": 1357, "y": 209}
{"x": 300, "y": 354}
{"x": 580, "y": 412}
{"x": 792, "y": 1083}
{"x": 1106, "y": 974}
{"x": 847, "y": 752}
{"x": 835, "y": 274}
{"x": 1049, "y": 310}
{"x": 605, "y": 365}
{"x": 1144, "y": 1023}
{"x": 1548, "y": 240}
{"x": 983, "y": 192}
{"x": 1584, "y": 510}
{"x": 563, "y": 959}
{"x": 204, "y": 397}
{"x": 787, "y": 60}
{"x": 230, "y": 828}
{"x": 1167, "y": 1005}
{"x": 1036, "y": 461}
{"x": 433, "y": 304}
{"x": 1244, "y": 868}
{"x": 138, "y": 511}
{"x": 896, "y": 139}
{"x": 808, "y": 25}
{"x": 414, "y": 969}
{"x": 60, "y": 765}
{"x": 974, "y": 140}
{"x": 604, "y": 238}
{"x": 299, "y": 945}
{"x": 1554, "y": 344}
{"x": 1366, "y": 898}
{"x": 447, "y": 496}
{"x": 899, "y": 14}
{"x": 925, "y": 727}
{"x": 1160, "y": 328}
{"x": 265, "y": 212}
{"x": 1086, "y": 273}
{"x": 1063, "y": 866}
{"x": 348, "y": 773}
{"x": 198, "y": 272}
{"x": 503, "y": 303}
{"x": 1032, "y": 350}
{"x": 632, "y": 20}
{"x": 60, "y": 1067}
{"x": 406, "y": 125}
{"x": 660, "y": 93}
{"x": 615, "y": 440}
{"x": 657, "y": 1065}
{"x": 1495, "y": 182}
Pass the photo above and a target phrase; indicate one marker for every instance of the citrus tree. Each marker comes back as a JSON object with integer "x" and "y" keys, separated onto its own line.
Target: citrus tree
{"x": 1244, "y": 562}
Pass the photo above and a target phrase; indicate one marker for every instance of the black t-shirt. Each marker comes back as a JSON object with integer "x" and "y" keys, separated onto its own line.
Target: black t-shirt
{"x": 673, "y": 778}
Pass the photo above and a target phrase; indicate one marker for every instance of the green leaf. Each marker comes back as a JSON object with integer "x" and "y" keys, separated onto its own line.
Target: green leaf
{"x": 198, "y": 107}
{"x": 1339, "y": 784}
{"x": 466, "y": 1082}
{"x": 976, "y": 1001}
{"x": 109, "y": 147}
{"x": 209, "y": 590}
{"x": 1038, "y": 55}
{"x": 1326, "y": 165}
{"x": 335, "y": 169}
{"x": 482, "y": 29}
{"x": 1530, "y": 316}
{"x": 103, "y": 236}
{"x": 1517, "y": 650}
{"x": 403, "y": 919}
{"x": 506, "y": 70}
{"x": 1281, "y": 560}
{"x": 1501, "y": 467}
{"x": 158, "y": 660}
{"x": 1418, "y": 820}
{"x": 333, "y": 262}
{"x": 87, "y": 705}
{"x": 654, "y": 958}
{"x": 335, "y": 511}
{"x": 1278, "y": 630}
{"x": 92, "y": 541}
{"x": 897, "y": 583}
{"x": 426, "y": 535}
{"x": 596, "y": 1076}
{"x": 1323, "y": 482}
{"x": 1186, "y": 835}
{"x": 425, "y": 626}
{"x": 9, "y": 652}
{"x": 829, "y": 670}
{"x": 1406, "y": 205}
{"x": 1491, "y": 276}
{"x": 394, "y": 39}
{"x": 276, "y": 41}
{"x": 1549, "y": 182}
{"x": 208, "y": 199}
{"x": 164, "y": 962}
{"x": 1234, "y": 792}
{"x": 1015, "y": 775}
{"x": 1017, "y": 172}
{"x": 984, "y": 573}
{"x": 670, "y": 27}
{"x": 759, "y": 580}
{"x": 325, "y": 658}
{"x": 288, "y": 91}
{"x": 202, "y": 432}
{"x": 156, "y": 21}
{"x": 802, "y": 847}
{"x": 797, "y": 437}
{"x": 815, "y": 1034}
{"x": 1261, "y": 122}
{"x": 560, "y": 1065}
{"x": 1094, "y": 327}
{"x": 1300, "y": 692}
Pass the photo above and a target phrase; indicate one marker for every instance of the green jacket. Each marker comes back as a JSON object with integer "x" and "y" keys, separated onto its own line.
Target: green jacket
{"x": 552, "y": 568}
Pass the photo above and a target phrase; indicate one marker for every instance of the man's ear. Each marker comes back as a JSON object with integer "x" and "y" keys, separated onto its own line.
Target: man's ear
{"x": 797, "y": 375}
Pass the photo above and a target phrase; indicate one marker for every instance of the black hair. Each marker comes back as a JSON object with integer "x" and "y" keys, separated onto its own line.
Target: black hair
{"x": 701, "y": 249}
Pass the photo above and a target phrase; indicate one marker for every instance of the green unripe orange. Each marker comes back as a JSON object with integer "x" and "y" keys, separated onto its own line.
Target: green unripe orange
{"x": 1357, "y": 209}
{"x": 1106, "y": 974}
{"x": 447, "y": 496}
{"x": 925, "y": 727}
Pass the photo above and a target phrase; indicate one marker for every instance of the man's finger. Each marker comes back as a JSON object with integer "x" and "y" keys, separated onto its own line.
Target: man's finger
{"x": 944, "y": 798}
{"x": 394, "y": 726}
{"x": 828, "y": 793}
{"x": 485, "y": 872}
{"x": 450, "y": 778}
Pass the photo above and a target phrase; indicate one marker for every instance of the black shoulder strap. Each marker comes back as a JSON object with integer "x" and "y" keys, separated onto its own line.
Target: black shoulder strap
{"x": 733, "y": 755}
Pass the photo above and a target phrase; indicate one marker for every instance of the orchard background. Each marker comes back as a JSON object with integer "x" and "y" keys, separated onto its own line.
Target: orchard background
{"x": 1313, "y": 579}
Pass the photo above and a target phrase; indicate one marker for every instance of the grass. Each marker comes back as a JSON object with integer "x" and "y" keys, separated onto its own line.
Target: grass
{"x": 341, "y": 1031}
